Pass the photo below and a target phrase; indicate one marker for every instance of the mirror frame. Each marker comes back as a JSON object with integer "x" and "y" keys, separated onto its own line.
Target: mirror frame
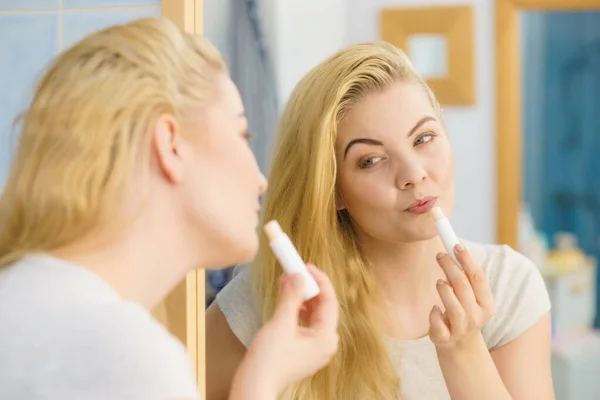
{"x": 509, "y": 160}
{"x": 183, "y": 310}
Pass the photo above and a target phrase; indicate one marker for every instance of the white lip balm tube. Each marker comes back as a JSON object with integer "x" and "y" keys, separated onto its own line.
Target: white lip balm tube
{"x": 288, "y": 257}
{"x": 449, "y": 238}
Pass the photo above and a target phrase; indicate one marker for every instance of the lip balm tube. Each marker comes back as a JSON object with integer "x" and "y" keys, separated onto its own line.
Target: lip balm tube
{"x": 449, "y": 238}
{"x": 288, "y": 257}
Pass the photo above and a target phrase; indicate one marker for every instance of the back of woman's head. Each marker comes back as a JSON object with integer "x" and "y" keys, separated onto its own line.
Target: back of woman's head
{"x": 89, "y": 126}
{"x": 302, "y": 197}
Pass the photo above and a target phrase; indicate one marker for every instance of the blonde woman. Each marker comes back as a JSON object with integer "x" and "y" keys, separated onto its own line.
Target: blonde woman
{"x": 363, "y": 155}
{"x": 132, "y": 169}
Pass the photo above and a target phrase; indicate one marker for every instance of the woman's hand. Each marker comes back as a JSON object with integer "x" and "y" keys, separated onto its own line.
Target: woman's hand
{"x": 465, "y": 361}
{"x": 467, "y": 299}
{"x": 284, "y": 352}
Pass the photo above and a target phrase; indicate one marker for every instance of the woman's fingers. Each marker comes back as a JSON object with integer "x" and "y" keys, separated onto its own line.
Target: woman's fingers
{"x": 455, "y": 313}
{"x": 291, "y": 298}
{"x": 476, "y": 277}
{"x": 466, "y": 296}
{"x": 308, "y": 309}
{"x": 325, "y": 312}
{"x": 459, "y": 282}
{"x": 439, "y": 331}
{"x": 323, "y": 321}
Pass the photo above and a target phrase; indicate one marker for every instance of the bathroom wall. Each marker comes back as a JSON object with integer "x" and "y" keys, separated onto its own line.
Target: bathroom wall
{"x": 32, "y": 32}
{"x": 472, "y": 129}
{"x": 303, "y": 33}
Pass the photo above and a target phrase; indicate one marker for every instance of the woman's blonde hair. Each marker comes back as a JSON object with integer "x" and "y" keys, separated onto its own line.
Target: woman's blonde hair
{"x": 89, "y": 126}
{"x": 302, "y": 197}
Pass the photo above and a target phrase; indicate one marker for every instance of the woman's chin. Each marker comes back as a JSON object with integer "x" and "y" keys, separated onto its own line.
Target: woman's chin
{"x": 245, "y": 250}
{"x": 237, "y": 250}
{"x": 421, "y": 233}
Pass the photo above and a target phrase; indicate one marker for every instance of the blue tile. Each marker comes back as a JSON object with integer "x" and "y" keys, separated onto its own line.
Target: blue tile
{"x": 29, "y": 42}
{"x": 106, "y": 3}
{"x": 78, "y": 24}
{"x": 29, "y": 4}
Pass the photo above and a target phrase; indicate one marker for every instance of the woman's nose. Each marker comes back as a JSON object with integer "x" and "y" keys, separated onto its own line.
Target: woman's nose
{"x": 410, "y": 174}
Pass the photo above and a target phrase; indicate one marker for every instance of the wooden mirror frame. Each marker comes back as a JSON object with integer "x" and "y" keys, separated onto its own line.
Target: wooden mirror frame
{"x": 455, "y": 23}
{"x": 183, "y": 311}
{"x": 509, "y": 159}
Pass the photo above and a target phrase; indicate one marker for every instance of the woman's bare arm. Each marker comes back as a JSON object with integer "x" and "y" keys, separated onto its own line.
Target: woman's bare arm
{"x": 224, "y": 353}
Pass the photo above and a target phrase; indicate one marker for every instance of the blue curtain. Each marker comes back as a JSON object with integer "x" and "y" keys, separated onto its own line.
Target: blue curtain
{"x": 562, "y": 124}
{"x": 252, "y": 71}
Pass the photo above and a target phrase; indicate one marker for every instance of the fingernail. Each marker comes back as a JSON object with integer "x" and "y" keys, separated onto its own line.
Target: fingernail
{"x": 440, "y": 255}
{"x": 437, "y": 308}
{"x": 441, "y": 282}
{"x": 458, "y": 248}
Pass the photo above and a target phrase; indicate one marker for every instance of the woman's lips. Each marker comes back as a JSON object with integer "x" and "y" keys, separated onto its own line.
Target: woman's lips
{"x": 422, "y": 206}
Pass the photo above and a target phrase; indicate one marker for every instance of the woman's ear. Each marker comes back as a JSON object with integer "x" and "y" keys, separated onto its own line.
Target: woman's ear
{"x": 167, "y": 143}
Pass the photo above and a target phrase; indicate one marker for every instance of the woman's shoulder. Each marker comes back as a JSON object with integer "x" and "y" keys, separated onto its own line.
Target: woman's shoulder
{"x": 519, "y": 291}
{"x": 143, "y": 356}
{"x": 236, "y": 302}
{"x": 140, "y": 351}
{"x": 497, "y": 256}
{"x": 119, "y": 342}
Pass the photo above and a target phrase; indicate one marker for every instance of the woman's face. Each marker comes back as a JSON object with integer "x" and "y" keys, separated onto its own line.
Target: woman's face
{"x": 395, "y": 163}
{"x": 225, "y": 182}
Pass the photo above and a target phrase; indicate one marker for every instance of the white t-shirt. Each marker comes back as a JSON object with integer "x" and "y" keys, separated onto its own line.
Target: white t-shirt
{"x": 66, "y": 334}
{"x": 520, "y": 298}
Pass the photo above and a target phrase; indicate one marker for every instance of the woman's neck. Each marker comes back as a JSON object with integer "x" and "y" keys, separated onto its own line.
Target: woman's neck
{"x": 406, "y": 275}
{"x": 143, "y": 265}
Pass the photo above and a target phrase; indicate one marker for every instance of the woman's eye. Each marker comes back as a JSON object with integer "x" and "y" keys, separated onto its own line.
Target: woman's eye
{"x": 369, "y": 162}
{"x": 424, "y": 139}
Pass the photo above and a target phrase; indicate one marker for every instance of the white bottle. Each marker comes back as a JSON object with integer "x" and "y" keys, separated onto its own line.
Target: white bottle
{"x": 288, "y": 257}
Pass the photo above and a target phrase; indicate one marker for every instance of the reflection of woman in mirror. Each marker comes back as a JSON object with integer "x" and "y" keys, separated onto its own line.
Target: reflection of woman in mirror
{"x": 132, "y": 169}
{"x": 363, "y": 155}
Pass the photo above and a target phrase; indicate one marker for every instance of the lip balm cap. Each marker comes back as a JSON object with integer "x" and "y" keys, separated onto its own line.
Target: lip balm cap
{"x": 437, "y": 213}
{"x": 272, "y": 229}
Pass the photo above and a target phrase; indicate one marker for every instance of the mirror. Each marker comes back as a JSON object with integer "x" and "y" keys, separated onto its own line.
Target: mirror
{"x": 559, "y": 221}
{"x": 238, "y": 31}
{"x": 561, "y": 142}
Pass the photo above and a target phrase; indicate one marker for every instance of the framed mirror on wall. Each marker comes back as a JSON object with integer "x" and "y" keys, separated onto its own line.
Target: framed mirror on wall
{"x": 509, "y": 104}
{"x": 548, "y": 141}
